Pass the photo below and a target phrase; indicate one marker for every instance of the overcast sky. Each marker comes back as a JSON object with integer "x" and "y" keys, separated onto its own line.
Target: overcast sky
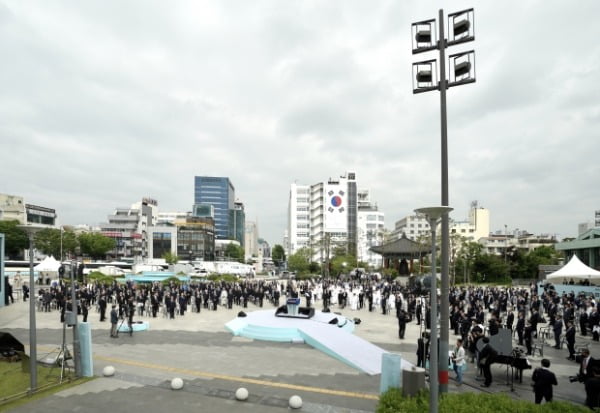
{"x": 105, "y": 102}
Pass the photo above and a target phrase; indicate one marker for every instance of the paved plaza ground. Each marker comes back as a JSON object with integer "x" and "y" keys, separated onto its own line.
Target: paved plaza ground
{"x": 213, "y": 363}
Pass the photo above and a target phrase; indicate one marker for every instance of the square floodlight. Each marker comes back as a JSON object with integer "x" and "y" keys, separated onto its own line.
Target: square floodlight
{"x": 461, "y": 27}
{"x": 425, "y": 76}
{"x": 424, "y": 36}
{"x": 462, "y": 68}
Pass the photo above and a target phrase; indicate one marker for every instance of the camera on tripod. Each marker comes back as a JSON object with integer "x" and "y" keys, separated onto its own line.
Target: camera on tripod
{"x": 573, "y": 379}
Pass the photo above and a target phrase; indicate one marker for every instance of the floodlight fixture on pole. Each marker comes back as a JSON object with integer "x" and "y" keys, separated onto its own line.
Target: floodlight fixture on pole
{"x": 433, "y": 215}
{"x": 462, "y": 68}
{"x": 461, "y": 29}
{"x": 31, "y": 230}
{"x": 424, "y": 35}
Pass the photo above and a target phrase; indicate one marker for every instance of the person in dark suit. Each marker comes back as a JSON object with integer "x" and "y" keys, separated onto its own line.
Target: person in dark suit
{"x": 528, "y": 337}
{"x": 583, "y": 320}
{"x": 520, "y": 327}
{"x": 586, "y": 365}
{"x": 570, "y": 338}
{"x": 510, "y": 319}
{"x": 487, "y": 356}
{"x": 557, "y": 328}
{"x": 102, "y": 305}
{"x": 592, "y": 388}
{"x": 401, "y": 314}
{"x": 543, "y": 380}
{"x": 422, "y": 344}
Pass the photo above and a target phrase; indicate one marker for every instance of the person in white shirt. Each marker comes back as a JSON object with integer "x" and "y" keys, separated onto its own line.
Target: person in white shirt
{"x": 458, "y": 361}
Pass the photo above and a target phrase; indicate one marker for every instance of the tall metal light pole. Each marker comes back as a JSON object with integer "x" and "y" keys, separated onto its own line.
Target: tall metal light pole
{"x": 31, "y": 231}
{"x": 460, "y": 30}
{"x": 76, "y": 350}
{"x": 433, "y": 217}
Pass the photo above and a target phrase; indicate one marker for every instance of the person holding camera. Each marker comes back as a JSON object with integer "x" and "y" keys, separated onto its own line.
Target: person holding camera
{"x": 592, "y": 387}
{"x": 543, "y": 380}
{"x": 585, "y": 365}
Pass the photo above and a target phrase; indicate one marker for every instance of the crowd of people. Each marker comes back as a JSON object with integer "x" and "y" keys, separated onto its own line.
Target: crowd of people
{"x": 476, "y": 312}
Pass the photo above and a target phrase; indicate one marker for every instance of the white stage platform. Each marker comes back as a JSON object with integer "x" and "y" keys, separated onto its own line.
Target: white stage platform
{"x": 335, "y": 340}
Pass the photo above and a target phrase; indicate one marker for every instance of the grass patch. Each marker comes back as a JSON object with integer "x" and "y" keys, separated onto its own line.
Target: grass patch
{"x": 392, "y": 401}
{"x": 15, "y": 384}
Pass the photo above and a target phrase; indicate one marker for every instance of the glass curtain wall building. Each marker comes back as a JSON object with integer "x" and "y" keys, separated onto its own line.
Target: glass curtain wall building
{"x": 220, "y": 193}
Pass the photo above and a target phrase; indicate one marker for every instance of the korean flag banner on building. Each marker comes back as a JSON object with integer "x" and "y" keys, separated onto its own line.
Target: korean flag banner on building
{"x": 336, "y": 209}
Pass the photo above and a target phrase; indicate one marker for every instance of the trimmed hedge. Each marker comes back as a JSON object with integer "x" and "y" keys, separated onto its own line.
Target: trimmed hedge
{"x": 392, "y": 401}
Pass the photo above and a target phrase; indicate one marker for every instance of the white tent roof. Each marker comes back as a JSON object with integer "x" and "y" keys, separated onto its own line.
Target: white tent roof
{"x": 575, "y": 269}
{"x": 48, "y": 265}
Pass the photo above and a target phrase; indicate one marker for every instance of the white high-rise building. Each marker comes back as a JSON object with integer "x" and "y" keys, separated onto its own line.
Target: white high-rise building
{"x": 370, "y": 230}
{"x": 251, "y": 240}
{"x": 298, "y": 232}
{"x": 326, "y": 215}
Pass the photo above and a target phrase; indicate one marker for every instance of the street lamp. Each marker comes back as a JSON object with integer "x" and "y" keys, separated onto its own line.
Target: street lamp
{"x": 433, "y": 215}
{"x": 31, "y": 230}
{"x": 461, "y": 29}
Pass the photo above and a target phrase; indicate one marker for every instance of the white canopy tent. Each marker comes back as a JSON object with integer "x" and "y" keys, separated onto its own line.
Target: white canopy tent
{"x": 574, "y": 270}
{"x": 49, "y": 264}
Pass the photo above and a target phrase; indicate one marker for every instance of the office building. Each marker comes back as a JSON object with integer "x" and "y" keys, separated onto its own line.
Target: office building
{"x": 129, "y": 228}
{"x": 323, "y": 216}
{"x": 220, "y": 193}
{"x": 370, "y": 230}
{"x": 13, "y": 208}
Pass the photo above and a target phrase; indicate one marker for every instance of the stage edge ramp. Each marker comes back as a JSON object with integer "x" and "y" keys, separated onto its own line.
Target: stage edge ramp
{"x": 346, "y": 347}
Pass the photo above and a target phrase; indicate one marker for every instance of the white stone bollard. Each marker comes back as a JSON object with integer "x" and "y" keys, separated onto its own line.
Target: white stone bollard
{"x": 295, "y": 402}
{"x": 241, "y": 394}
{"x": 108, "y": 371}
{"x": 177, "y": 383}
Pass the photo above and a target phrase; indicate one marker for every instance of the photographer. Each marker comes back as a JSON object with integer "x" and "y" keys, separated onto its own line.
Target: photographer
{"x": 592, "y": 387}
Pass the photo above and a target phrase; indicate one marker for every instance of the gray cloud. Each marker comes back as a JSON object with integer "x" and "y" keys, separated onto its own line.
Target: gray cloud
{"x": 104, "y": 103}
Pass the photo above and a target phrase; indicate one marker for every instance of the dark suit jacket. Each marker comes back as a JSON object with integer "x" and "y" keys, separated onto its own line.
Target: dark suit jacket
{"x": 543, "y": 380}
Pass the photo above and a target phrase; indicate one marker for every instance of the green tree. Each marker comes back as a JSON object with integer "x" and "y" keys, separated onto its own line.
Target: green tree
{"x": 170, "y": 258}
{"x": 300, "y": 261}
{"x": 235, "y": 252}
{"x": 469, "y": 252}
{"x": 342, "y": 264}
{"x": 15, "y": 240}
{"x": 48, "y": 241}
{"x": 278, "y": 255}
{"x": 95, "y": 244}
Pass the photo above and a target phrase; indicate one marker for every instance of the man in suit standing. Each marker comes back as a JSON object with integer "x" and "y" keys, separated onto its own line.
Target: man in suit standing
{"x": 487, "y": 356}
{"x": 557, "y": 328}
{"x": 401, "y": 322}
{"x": 543, "y": 380}
{"x": 586, "y": 362}
{"x": 570, "y": 337}
{"x": 521, "y": 327}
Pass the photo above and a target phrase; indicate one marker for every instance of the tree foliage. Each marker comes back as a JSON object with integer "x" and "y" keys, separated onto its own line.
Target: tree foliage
{"x": 234, "y": 252}
{"x": 48, "y": 241}
{"x": 300, "y": 261}
{"x": 278, "y": 255}
{"x": 95, "y": 244}
{"x": 15, "y": 240}
{"x": 170, "y": 258}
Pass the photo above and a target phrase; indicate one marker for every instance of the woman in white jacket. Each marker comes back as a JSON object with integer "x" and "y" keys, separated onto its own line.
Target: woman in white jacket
{"x": 458, "y": 361}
